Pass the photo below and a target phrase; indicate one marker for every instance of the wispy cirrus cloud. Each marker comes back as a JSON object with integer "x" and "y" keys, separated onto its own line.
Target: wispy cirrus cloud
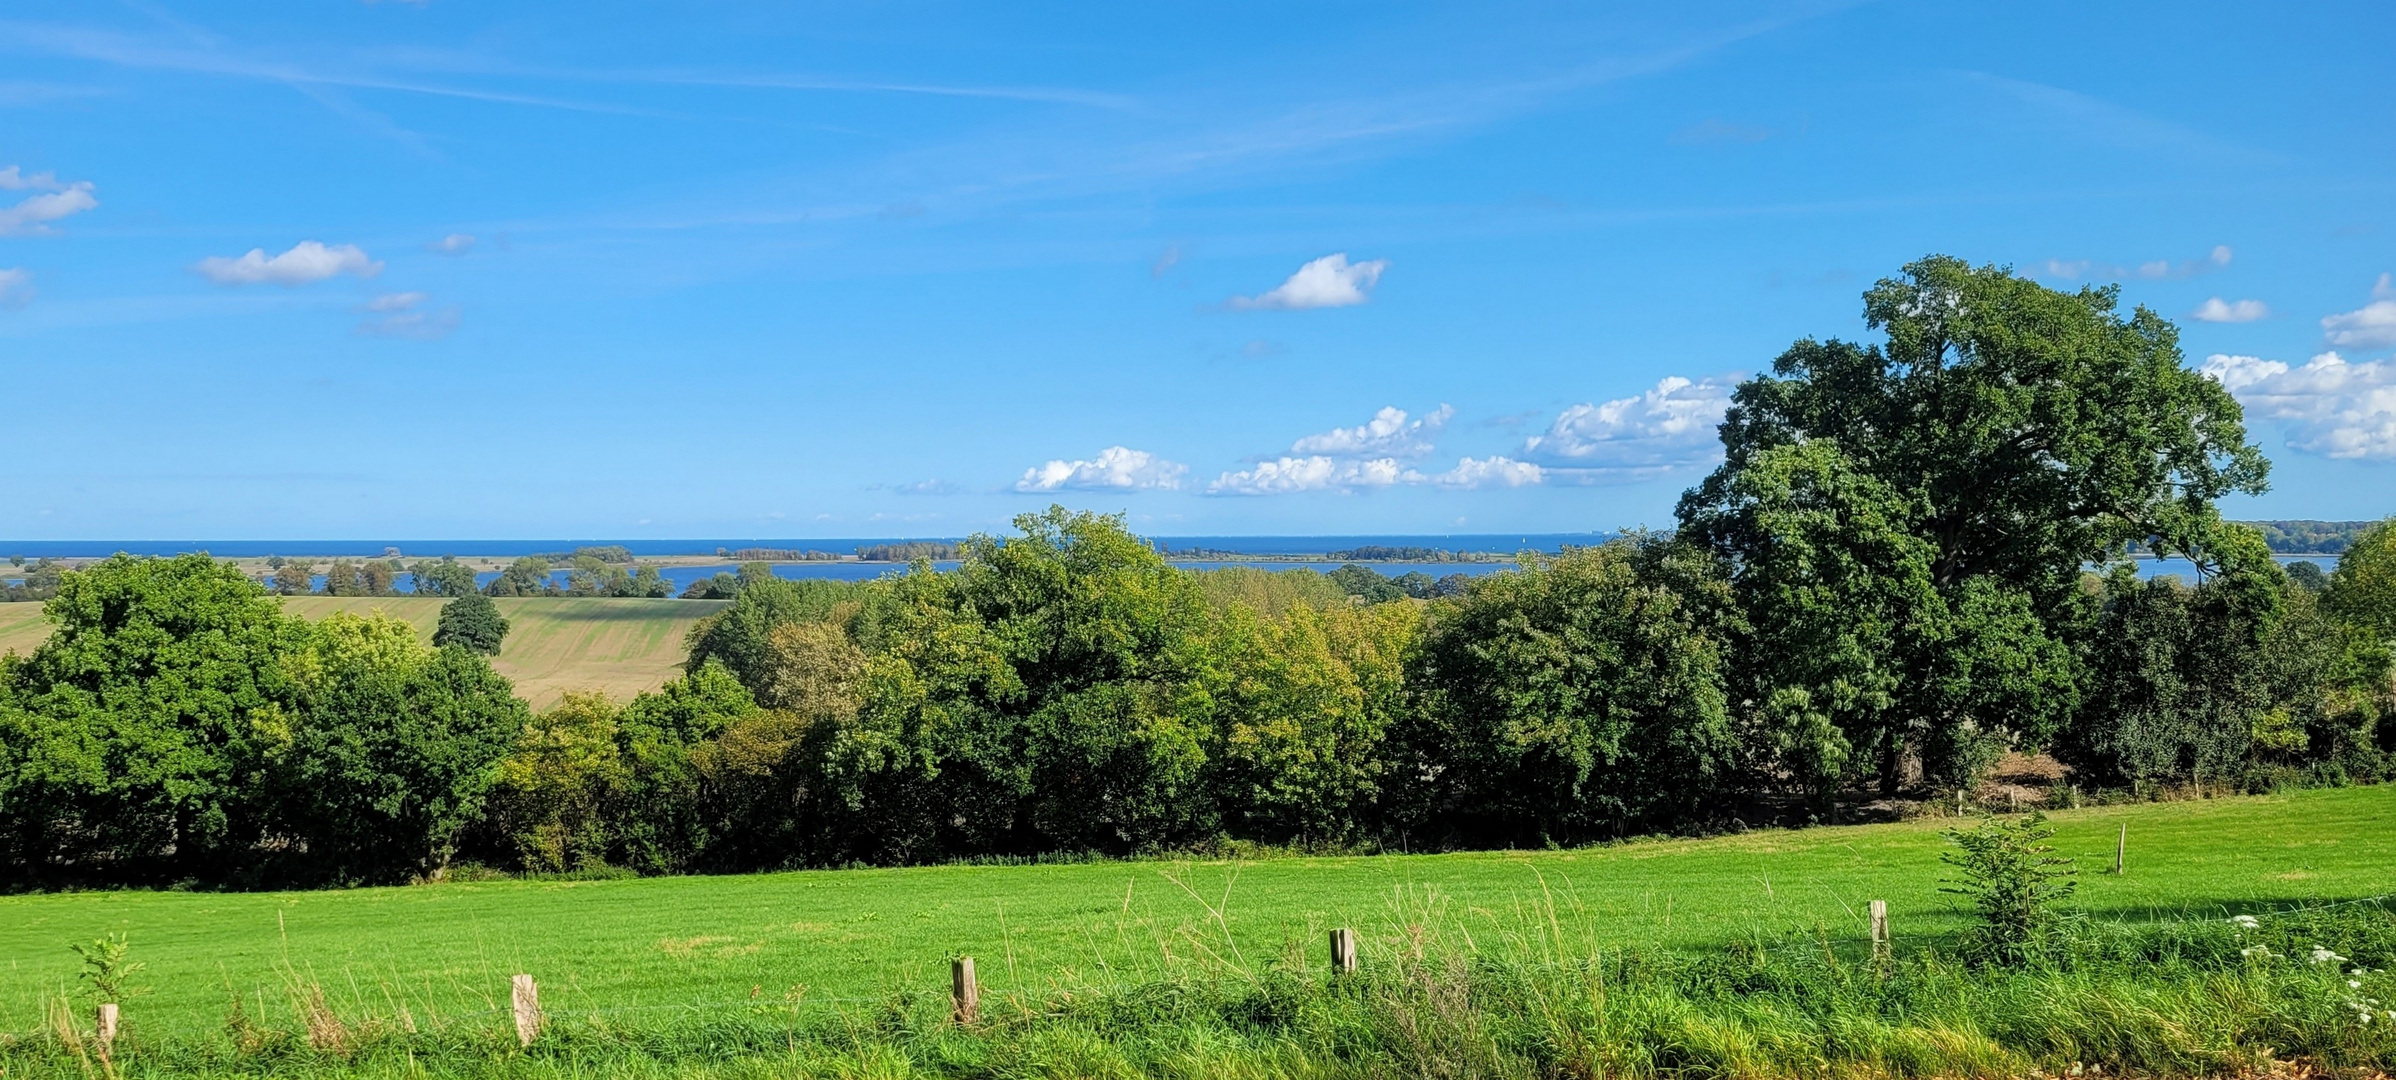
{"x": 406, "y": 315}
{"x": 34, "y": 213}
{"x": 2150, "y": 270}
{"x": 16, "y": 287}
{"x": 306, "y": 262}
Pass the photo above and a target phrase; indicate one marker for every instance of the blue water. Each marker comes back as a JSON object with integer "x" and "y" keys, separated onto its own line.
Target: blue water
{"x": 1497, "y": 543}
{"x": 681, "y": 577}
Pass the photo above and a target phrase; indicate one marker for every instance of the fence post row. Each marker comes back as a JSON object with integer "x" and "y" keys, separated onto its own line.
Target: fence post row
{"x": 1343, "y": 951}
{"x": 526, "y": 998}
{"x": 965, "y": 995}
{"x": 1880, "y": 929}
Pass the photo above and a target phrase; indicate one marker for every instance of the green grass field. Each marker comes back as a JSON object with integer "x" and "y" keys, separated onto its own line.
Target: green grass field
{"x": 633, "y": 946}
{"x": 554, "y": 644}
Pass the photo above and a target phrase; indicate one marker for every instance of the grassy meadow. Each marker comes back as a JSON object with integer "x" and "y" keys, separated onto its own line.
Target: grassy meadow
{"x": 628, "y": 949}
{"x": 617, "y": 645}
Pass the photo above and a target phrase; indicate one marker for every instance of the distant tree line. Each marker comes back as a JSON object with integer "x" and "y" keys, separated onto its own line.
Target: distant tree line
{"x": 909, "y": 551}
{"x": 38, "y": 581}
{"x": 1388, "y": 553}
{"x": 756, "y": 554}
{"x": 1880, "y": 590}
{"x": 2310, "y": 537}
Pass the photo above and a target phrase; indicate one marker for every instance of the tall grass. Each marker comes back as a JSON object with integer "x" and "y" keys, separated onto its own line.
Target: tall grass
{"x": 1531, "y": 992}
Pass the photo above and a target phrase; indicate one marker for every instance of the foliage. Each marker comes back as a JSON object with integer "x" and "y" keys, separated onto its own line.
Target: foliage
{"x": 36, "y": 582}
{"x": 527, "y": 576}
{"x": 2310, "y": 537}
{"x": 473, "y": 622}
{"x": 1576, "y": 698}
{"x": 446, "y": 577}
{"x": 1366, "y": 584}
{"x": 737, "y": 636}
{"x": 1270, "y": 593}
{"x": 2013, "y": 879}
{"x": 2307, "y": 575}
{"x": 108, "y": 968}
{"x": 384, "y": 762}
{"x": 2362, "y": 591}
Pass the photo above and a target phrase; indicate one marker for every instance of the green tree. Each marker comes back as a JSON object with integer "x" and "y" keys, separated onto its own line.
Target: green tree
{"x": 527, "y": 576}
{"x": 2362, "y": 591}
{"x": 295, "y": 577}
{"x": 386, "y": 761}
{"x": 2036, "y": 431}
{"x": 472, "y": 622}
{"x": 1575, "y": 698}
{"x": 558, "y": 789}
{"x": 1366, "y": 584}
{"x": 737, "y": 637}
{"x": 447, "y": 577}
{"x": 1905, "y": 523}
{"x": 130, "y": 747}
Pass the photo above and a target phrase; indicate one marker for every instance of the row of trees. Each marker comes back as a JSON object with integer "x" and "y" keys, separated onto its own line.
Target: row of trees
{"x": 1884, "y": 586}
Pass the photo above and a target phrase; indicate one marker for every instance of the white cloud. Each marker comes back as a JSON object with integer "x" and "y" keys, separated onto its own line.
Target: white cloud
{"x": 402, "y": 317}
{"x": 1117, "y": 468}
{"x": 1330, "y": 281}
{"x": 1494, "y": 471}
{"x": 2371, "y": 326}
{"x": 1387, "y": 433}
{"x": 398, "y": 301}
{"x": 16, "y": 287}
{"x": 14, "y": 179}
{"x": 2217, "y": 309}
{"x": 1316, "y": 473}
{"x": 2331, "y": 407}
{"x": 456, "y": 243}
{"x": 37, "y": 211}
{"x": 307, "y": 261}
{"x": 2152, "y": 269}
{"x": 1669, "y": 426}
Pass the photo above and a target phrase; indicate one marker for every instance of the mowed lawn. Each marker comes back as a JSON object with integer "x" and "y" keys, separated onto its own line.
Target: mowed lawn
{"x": 650, "y": 947}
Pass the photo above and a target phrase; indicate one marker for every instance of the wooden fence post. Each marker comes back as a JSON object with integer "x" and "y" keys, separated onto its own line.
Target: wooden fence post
{"x": 107, "y": 1028}
{"x": 525, "y": 996}
{"x": 1880, "y": 929}
{"x": 965, "y": 995}
{"x": 1343, "y": 951}
{"x": 2121, "y": 847}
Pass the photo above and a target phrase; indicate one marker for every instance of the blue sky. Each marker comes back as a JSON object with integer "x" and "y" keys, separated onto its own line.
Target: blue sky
{"x": 640, "y": 270}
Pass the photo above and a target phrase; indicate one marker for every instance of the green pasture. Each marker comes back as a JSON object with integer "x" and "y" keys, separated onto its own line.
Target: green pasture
{"x": 629, "y": 948}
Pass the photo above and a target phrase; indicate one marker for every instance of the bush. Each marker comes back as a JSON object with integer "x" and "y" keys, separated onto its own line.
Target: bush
{"x": 2013, "y": 879}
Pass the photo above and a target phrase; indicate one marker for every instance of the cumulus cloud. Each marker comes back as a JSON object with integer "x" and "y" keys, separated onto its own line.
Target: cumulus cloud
{"x": 36, "y": 212}
{"x": 1388, "y": 433}
{"x": 1331, "y": 281}
{"x": 1669, "y": 426}
{"x": 2371, "y": 326}
{"x": 1117, "y": 468}
{"x": 307, "y": 261}
{"x": 13, "y": 178}
{"x": 16, "y": 287}
{"x": 1490, "y": 472}
{"x": 1314, "y": 473}
{"x": 2217, "y": 309}
{"x": 403, "y": 315}
{"x": 2329, "y": 406}
{"x": 456, "y": 243}
{"x": 2151, "y": 270}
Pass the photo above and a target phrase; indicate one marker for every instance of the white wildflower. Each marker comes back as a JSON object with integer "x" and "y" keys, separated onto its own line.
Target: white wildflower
{"x": 2354, "y": 984}
{"x": 2324, "y": 956}
{"x": 2244, "y": 922}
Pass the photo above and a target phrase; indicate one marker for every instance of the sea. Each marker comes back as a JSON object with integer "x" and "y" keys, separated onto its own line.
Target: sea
{"x": 1190, "y": 552}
